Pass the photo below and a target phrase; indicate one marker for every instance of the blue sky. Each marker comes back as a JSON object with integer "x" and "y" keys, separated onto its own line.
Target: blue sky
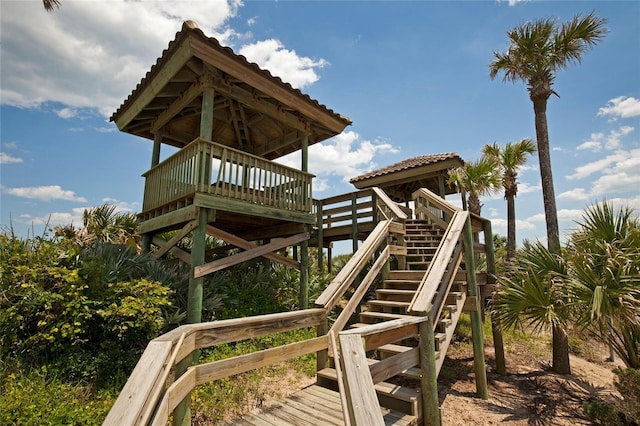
{"x": 412, "y": 76}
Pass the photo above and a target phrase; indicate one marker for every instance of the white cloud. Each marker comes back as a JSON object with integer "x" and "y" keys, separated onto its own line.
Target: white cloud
{"x": 252, "y": 21}
{"x": 563, "y": 215}
{"x": 67, "y": 113}
{"x": 45, "y": 193}
{"x": 8, "y": 159}
{"x": 90, "y": 54}
{"x": 511, "y": 2}
{"x": 620, "y": 158}
{"x": 122, "y": 206}
{"x": 622, "y": 106}
{"x": 574, "y": 194}
{"x": 611, "y": 142}
{"x": 74, "y": 217}
{"x": 345, "y": 155}
{"x": 270, "y": 54}
{"x": 525, "y": 188}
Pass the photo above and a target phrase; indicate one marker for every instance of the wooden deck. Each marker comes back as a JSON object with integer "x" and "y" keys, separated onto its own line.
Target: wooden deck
{"x": 311, "y": 406}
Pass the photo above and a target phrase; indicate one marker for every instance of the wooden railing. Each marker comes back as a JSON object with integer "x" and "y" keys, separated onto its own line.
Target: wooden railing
{"x": 146, "y": 398}
{"x": 210, "y": 168}
{"x": 359, "y": 374}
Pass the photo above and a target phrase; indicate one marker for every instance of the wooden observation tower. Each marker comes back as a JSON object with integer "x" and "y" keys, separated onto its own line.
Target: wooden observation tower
{"x": 229, "y": 120}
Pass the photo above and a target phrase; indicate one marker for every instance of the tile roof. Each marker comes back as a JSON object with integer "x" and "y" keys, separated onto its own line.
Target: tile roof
{"x": 192, "y": 27}
{"x": 411, "y": 163}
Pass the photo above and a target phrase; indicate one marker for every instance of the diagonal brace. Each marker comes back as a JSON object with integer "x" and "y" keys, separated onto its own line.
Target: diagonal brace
{"x": 216, "y": 265}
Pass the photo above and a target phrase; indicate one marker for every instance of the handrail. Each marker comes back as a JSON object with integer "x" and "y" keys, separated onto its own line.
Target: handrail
{"x": 359, "y": 376}
{"x": 144, "y": 399}
{"x": 388, "y": 205}
{"x": 345, "y": 278}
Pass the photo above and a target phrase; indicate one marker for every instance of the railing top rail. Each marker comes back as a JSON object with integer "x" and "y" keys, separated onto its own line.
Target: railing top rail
{"x": 342, "y": 198}
{"x": 371, "y": 329}
{"x": 382, "y": 196}
{"x": 140, "y": 393}
{"x": 434, "y": 199}
{"x": 349, "y": 272}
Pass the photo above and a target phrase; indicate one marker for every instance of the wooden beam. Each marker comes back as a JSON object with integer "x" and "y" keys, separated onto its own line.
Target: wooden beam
{"x": 170, "y": 68}
{"x": 361, "y": 394}
{"x": 216, "y": 265}
{"x": 178, "y": 105}
{"x": 176, "y": 238}
{"x": 246, "y": 245}
{"x": 179, "y": 253}
{"x": 246, "y": 73}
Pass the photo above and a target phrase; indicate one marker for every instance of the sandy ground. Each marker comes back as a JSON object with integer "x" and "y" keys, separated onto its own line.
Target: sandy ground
{"x": 530, "y": 394}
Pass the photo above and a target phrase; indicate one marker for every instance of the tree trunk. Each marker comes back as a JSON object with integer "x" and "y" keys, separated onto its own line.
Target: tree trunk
{"x": 560, "y": 351}
{"x": 560, "y": 339}
{"x": 544, "y": 156}
{"x": 511, "y": 231}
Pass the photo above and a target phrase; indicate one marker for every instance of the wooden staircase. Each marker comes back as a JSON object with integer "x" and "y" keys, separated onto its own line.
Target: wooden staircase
{"x": 401, "y": 393}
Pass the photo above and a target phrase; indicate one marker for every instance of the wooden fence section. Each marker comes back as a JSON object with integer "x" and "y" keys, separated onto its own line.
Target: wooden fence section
{"x": 209, "y": 168}
{"x": 146, "y": 398}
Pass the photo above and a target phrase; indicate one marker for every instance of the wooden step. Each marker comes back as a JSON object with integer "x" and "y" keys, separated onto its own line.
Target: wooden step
{"x": 372, "y": 317}
{"x": 399, "y": 398}
{"x": 406, "y": 275}
{"x": 375, "y": 305}
{"x": 395, "y": 294}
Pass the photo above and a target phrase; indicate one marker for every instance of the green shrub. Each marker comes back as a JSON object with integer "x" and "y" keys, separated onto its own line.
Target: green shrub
{"x": 602, "y": 413}
{"x": 87, "y": 311}
{"x": 39, "y": 398}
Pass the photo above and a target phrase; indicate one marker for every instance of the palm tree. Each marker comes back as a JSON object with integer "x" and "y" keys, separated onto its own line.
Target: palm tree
{"x": 510, "y": 158}
{"x": 538, "y": 49}
{"x": 475, "y": 179}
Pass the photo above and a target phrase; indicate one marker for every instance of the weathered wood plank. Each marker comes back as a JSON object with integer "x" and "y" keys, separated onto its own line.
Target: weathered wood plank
{"x": 216, "y": 265}
{"x": 347, "y": 274}
{"x": 240, "y": 364}
{"x": 144, "y": 379}
{"x": 361, "y": 394}
{"x": 360, "y": 292}
{"x": 246, "y": 245}
{"x": 176, "y": 238}
{"x": 394, "y": 365}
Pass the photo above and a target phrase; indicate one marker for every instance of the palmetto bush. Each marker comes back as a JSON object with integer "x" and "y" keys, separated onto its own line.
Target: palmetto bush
{"x": 594, "y": 284}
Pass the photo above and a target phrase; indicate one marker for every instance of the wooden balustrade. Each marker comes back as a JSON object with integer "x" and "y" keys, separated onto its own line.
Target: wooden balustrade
{"x": 146, "y": 398}
{"x": 209, "y": 168}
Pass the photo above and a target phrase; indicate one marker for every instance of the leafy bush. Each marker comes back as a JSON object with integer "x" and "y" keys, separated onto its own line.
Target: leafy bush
{"x": 88, "y": 311}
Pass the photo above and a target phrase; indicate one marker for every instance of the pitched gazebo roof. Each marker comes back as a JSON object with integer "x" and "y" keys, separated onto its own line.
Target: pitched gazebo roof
{"x": 253, "y": 110}
{"x": 401, "y": 179}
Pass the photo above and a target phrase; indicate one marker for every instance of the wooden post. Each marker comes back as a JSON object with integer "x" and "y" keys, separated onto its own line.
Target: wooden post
{"x": 354, "y": 222}
{"x": 322, "y": 357}
{"x": 496, "y": 327}
{"x": 206, "y": 116}
{"x": 429, "y": 378}
{"x": 303, "y": 296}
{"x": 155, "y": 160}
{"x": 320, "y": 237}
{"x": 155, "y": 155}
{"x": 476, "y": 318}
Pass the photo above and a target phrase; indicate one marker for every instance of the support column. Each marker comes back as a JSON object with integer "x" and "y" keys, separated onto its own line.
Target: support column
{"x": 476, "y": 318}
{"x": 155, "y": 160}
{"x": 496, "y": 327}
{"x": 429, "y": 378}
{"x": 303, "y": 294}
